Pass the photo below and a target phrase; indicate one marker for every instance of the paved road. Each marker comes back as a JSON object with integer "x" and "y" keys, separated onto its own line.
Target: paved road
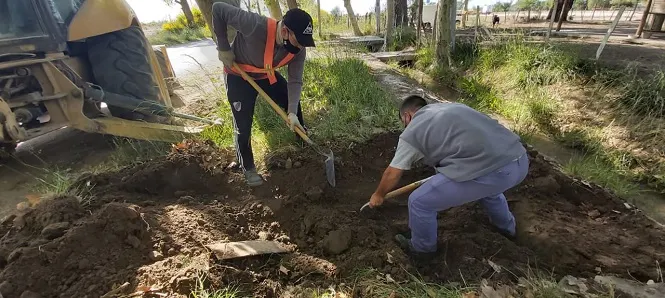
{"x": 188, "y": 59}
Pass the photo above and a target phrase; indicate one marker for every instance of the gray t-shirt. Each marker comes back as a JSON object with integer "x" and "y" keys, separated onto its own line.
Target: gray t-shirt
{"x": 405, "y": 156}
{"x": 250, "y": 42}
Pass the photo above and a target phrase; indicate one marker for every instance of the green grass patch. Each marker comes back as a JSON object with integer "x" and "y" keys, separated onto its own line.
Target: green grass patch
{"x": 335, "y": 107}
{"x": 515, "y": 79}
{"x": 186, "y": 35}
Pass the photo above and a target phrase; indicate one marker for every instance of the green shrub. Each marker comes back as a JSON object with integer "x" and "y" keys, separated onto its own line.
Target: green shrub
{"x": 180, "y": 22}
{"x": 403, "y": 37}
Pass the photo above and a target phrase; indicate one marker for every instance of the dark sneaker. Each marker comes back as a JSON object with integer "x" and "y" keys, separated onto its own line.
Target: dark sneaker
{"x": 405, "y": 244}
{"x": 253, "y": 178}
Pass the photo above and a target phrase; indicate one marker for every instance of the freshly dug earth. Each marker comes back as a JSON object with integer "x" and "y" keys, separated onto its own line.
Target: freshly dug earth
{"x": 148, "y": 225}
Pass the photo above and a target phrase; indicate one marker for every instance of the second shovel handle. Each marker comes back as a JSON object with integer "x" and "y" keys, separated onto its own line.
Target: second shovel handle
{"x": 404, "y": 189}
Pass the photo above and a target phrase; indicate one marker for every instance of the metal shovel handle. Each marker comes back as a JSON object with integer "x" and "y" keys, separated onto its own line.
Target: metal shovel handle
{"x": 402, "y": 190}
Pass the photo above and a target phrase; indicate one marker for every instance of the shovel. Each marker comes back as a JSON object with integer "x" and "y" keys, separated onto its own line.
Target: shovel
{"x": 330, "y": 158}
{"x": 400, "y": 191}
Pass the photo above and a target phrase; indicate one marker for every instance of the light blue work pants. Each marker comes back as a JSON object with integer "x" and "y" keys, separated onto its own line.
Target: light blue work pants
{"x": 441, "y": 193}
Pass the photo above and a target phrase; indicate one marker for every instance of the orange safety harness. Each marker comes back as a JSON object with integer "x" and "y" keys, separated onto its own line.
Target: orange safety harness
{"x": 268, "y": 56}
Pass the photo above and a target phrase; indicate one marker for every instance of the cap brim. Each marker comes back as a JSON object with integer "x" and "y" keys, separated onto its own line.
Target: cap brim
{"x": 306, "y": 41}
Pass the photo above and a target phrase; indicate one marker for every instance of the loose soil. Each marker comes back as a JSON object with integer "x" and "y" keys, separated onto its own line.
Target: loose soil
{"x": 148, "y": 225}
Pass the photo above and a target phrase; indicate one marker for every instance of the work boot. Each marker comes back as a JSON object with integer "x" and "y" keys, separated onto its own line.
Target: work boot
{"x": 253, "y": 178}
{"x": 405, "y": 244}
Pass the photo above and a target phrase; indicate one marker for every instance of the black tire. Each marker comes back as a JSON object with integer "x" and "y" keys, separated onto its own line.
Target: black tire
{"x": 120, "y": 64}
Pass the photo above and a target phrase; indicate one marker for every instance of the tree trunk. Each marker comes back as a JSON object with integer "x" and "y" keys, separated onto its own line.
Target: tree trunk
{"x": 184, "y": 5}
{"x": 420, "y": 21}
{"x": 436, "y": 17}
{"x": 560, "y": 11}
{"x": 352, "y": 18}
{"x": 466, "y": 6}
{"x": 206, "y": 9}
{"x": 377, "y": 12}
{"x": 528, "y": 15}
{"x": 275, "y": 10}
{"x": 318, "y": 16}
{"x": 564, "y": 15}
{"x": 292, "y": 4}
{"x": 390, "y": 22}
{"x": 444, "y": 32}
{"x": 505, "y": 16}
{"x": 401, "y": 13}
{"x": 593, "y": 13}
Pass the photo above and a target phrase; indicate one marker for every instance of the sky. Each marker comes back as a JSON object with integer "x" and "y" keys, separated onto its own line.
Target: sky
{"x": 156, "y": 10}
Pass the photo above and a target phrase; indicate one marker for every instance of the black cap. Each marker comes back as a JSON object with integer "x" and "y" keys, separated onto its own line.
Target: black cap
{"x": 300, "y": 22}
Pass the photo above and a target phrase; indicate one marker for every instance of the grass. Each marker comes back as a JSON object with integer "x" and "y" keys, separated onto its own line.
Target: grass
{"x": 334, "y": 108}
{"x": 530, "y": 85}
{"x": 186, "y": 35}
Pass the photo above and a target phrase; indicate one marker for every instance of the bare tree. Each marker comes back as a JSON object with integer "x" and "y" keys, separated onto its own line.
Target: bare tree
{"x": 292, "y": 4}
{"x": 444, "y": 32}
{"x": 420, "y": 21}
{"x": 318, "y": 16}
{"x": 377, "y": 12}
{"x": 186, "y": 10}
{"x": 352, "y": 18}
{"x": 206, "y": 10}
{"x": 390, "y": 23}
{"x": 274, "y": 8}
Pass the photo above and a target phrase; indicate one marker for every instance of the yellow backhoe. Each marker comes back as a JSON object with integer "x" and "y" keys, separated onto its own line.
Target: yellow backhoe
{"x": 62, "y": 61}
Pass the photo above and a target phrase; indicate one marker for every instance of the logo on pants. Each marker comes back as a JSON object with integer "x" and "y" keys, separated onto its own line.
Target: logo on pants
{"x": 237, "y": 106}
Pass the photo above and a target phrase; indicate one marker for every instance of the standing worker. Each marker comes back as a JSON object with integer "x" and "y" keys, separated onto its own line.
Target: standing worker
{"x": 262, "y": 45}
{"x": 475, "y": 157}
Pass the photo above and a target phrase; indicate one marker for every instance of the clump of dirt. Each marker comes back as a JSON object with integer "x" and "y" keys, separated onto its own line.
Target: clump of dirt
{"x": 159, "y": 241}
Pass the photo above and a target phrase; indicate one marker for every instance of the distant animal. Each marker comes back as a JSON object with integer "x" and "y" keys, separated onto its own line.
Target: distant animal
{"x": 495, "y": 20}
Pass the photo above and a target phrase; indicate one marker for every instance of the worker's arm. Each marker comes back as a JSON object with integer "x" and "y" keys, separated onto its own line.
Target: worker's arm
{"x": 294, "y": 85}
{"x": 405, "y": 156}
{"x": 228, "y": 15}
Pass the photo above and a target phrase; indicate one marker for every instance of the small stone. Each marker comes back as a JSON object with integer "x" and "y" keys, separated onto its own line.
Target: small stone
{"x": 84, "y": 264}
{"x": 308, "y": 223}
{"x": 337, "y": 241}
{"x": 288, "y": 164}
{"x": 297, "y": 164}
{"x": 15, "y": 254}
{"x": 651, "y": 282}
{"x": 314, "y": 193}
{"x": 171, "y": 251}
{"x": 133, "y": 241}
{"x": 22, "y": 206}
{"x": 55, "y": 230}
{"x": 30, "y": 294}
{"x": 263, "y": 235}
{"x": 19, "y": 221}
{"x": 201, "y": 222}
{"x": 594, "y": 213}
{"x": 6, "y": 288}
{"x": 274, "y": 225}
{"x": 310, "y": 240}
{"x": 360, "y": 257}
{"x": 547, "y": 183}
{"x": 156, "y": 256}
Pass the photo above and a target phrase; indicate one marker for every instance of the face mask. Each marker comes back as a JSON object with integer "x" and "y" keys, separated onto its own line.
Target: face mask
{"x": 290, "y": 47}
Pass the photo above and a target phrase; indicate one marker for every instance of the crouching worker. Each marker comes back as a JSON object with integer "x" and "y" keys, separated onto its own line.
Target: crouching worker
{"x": 475, "y": 157}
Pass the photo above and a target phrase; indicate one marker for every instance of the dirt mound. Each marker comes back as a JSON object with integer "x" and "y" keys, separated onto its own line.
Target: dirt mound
{"x": 180, "y": 205}
{"x": 87, "y": 255}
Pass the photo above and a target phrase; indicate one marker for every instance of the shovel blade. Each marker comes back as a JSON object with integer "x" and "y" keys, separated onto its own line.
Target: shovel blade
{"x": 330, "y": 168}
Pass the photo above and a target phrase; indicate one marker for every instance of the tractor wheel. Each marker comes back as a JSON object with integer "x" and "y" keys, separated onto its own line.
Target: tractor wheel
{"x": 120, "y": 64}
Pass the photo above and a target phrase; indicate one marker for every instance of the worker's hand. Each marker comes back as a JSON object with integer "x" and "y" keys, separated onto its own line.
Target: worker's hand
{"x": 376, "y": 200}
{"x": 227, "y": 57}
{"x": 293, "y": 122}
